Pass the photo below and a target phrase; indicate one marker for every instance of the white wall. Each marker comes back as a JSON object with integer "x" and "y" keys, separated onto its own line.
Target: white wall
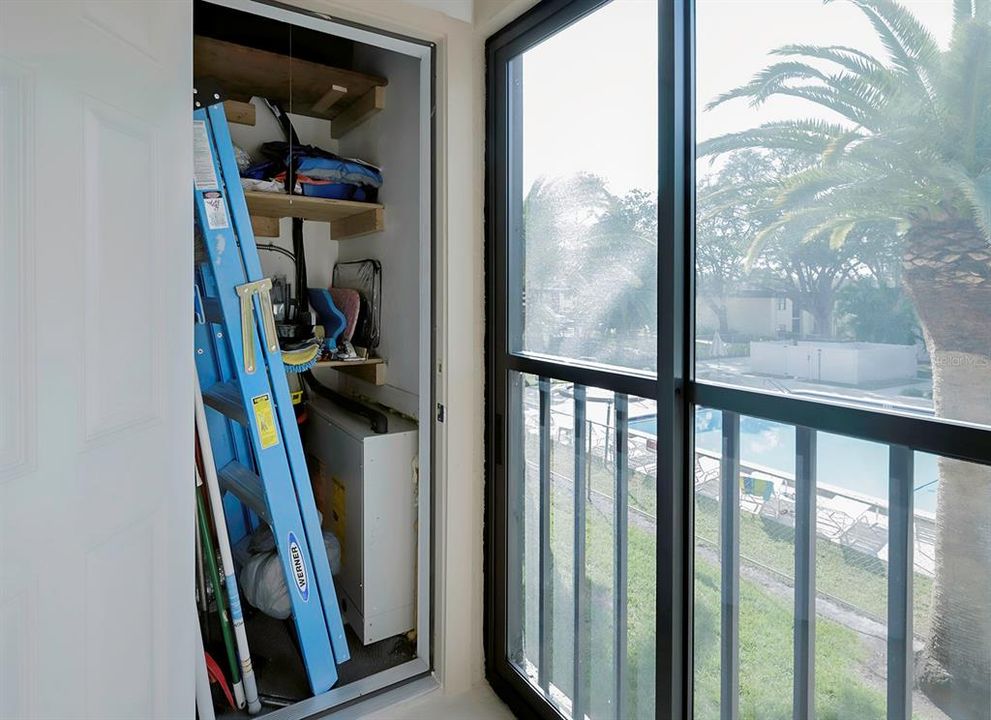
{"x": 845, "y": 363}
{"x": 390, "y": 139}
{"x": 457, "y": 9}
{"x": 321, "y": 252}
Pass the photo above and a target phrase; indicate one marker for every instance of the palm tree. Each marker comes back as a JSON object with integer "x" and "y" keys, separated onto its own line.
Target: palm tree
{"x": 911, "y": 146}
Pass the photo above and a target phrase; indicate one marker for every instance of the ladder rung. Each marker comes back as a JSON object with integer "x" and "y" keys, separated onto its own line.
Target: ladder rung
{"x": 225, "y": 398}
{"x": 247, "y": 486}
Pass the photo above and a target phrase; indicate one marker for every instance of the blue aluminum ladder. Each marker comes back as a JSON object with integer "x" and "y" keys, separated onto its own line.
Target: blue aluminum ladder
{"x": 252, "y": 423}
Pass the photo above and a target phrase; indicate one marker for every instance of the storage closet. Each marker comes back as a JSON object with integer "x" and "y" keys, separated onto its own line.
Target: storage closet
{"x": 364, "y": 98}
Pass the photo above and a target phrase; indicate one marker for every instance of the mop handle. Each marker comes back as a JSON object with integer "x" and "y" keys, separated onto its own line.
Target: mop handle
{"x": 226, "y": 558}
{"x": 218, "y": 593}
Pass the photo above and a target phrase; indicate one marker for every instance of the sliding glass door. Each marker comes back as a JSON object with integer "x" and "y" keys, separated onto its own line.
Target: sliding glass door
{"x": 739, "y": 360}
{"x": 574, "y": 359}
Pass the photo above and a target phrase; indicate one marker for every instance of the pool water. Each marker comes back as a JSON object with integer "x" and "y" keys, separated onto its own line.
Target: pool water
{"x": 856, "y": 465}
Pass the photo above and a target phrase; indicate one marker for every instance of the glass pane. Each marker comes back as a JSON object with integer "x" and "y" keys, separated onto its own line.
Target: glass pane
{"x": 762, "y": 506}
{"x": 767, "y": 568}
{"x": 642, "y": 558}
{"x": 842, "y": 206}
{"x": 851, "y": 577}
{"x": 708, "y": 633}
{"x": 583, "y": 191}
{"x": 950, "y": 616}
{"x": 565, "y": 627}
{"x": 952, "y": 584}
{"x": 523, "y": 602}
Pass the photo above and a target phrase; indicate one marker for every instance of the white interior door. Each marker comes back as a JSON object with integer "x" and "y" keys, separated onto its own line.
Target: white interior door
{"x": 96, "y": 532}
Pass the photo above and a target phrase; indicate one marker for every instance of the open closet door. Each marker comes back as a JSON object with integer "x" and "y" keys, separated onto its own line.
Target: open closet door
{"x": 96, "y": 501}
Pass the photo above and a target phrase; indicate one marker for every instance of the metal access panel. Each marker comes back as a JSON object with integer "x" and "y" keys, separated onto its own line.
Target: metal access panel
{"x": 367, "y": 490}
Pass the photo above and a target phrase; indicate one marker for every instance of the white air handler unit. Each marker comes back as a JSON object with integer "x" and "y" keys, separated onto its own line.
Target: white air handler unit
{"x": 367, "y": 490}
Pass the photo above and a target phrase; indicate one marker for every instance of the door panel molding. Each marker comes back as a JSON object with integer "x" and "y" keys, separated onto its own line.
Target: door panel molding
{"x": 122, "y": 286}
{"x": 17, "y": 272}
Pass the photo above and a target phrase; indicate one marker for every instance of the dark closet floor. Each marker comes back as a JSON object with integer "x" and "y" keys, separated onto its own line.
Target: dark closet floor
{"x": 279, "y": 669}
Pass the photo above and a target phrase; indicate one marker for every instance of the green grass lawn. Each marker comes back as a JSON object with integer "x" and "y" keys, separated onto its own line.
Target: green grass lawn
{"x": 842, "y": 573}
{"x": 850, "y": 576}
{"x": 766, "y": 616}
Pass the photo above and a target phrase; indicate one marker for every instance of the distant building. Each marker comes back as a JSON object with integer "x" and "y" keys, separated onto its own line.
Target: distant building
{"x": 755, "y": 313}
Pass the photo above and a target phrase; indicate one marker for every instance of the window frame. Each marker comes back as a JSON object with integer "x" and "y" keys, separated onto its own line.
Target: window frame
{"x": 675, "y": 388}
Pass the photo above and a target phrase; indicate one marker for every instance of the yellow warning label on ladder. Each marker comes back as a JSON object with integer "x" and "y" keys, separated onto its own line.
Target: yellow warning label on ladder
{"x": 268, "y": 433}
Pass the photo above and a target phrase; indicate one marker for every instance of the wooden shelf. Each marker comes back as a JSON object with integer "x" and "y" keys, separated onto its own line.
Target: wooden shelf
{"x": 347, "y": 218}
{"x": 345, "y": 97}
{"x": 242, "y": 113}
{"x": 371, "y": 370}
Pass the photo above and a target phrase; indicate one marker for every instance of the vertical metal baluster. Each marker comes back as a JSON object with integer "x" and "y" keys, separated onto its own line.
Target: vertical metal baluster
{"x": 805, "y": 576}
{"x": 900, "y": 573}
{"x": 580, "y": 696}
{"x": 517, "y": 472}
{"x": 622, "y": 539}
{"x": 729, "y": 549}
{"x": 545, "y": 619}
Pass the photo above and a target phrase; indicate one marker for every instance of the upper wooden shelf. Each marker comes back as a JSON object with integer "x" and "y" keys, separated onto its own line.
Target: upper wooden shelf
{"x": 345, "y": 97}
{"x": 347, "y": 218}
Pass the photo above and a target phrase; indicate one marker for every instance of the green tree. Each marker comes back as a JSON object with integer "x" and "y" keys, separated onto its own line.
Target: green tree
{"x": 590, "y": 272}
{"x": 734, "y": 208}
{"x": 876, "y": 313}
{"x": 912, "y": 146}
{"x": 723, "y": 231}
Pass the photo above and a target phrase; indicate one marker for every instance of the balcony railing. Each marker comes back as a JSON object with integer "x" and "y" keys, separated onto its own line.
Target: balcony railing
{"x": 613, "y": 471}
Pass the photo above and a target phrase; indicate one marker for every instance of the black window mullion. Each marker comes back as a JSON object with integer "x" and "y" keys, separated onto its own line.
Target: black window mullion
{"x": 938, "y": 437}
{"x": 675, "y": 302}
{"x": 621, "y": 493}
{"x": 729, "y": 564}
{"x": 641, "y": 385}
{"x": 545, "y": 620}
{"x": 581, "y": 589}
{"x": 803, "y": 705}
{"x": 901, "y": 570}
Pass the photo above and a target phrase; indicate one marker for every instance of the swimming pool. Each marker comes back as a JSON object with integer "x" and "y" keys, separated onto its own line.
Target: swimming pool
{"x": 852, "y": 464}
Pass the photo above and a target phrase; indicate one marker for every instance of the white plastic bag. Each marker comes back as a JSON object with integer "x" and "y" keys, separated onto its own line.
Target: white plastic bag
{"x": 262, "y": 579}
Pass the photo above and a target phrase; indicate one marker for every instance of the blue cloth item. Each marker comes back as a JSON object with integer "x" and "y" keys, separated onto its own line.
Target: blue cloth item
{"x": 338, "y": 170}
{"x": 262, "y": 170}
{"x": 320, "y": 164}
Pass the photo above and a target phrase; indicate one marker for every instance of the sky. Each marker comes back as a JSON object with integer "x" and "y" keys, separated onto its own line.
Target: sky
{"x": 590, "y": 92}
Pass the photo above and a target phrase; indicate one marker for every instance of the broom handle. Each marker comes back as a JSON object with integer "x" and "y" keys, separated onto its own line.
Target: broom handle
{"x": 226, "y": 558}
{"x": 218, "y": 594}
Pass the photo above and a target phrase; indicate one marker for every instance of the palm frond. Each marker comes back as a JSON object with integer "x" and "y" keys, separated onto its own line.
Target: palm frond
{"x": 768, "y": 81}
{"x": 840, "y": 232}
{"x": 965, "y": 92}
{"x": 810, "y": 136}
{"x": 833, "y": 152}
{"x": 850, "y": 58}
{"x": 977, "y": 191}
{"x": 761, "y": 239}
{"x": 982, "y": 10}
{"x": 833, "y": 99}
{"x": 963, "y": 10}
{"x": 911, "y": 47}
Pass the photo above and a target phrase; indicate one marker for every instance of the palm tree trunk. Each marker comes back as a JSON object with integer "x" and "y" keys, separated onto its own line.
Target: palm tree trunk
{"x": 948, "y": 276}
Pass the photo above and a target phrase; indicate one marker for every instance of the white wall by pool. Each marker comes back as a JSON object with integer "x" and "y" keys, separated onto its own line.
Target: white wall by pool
{"x": 844, "y": 363}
